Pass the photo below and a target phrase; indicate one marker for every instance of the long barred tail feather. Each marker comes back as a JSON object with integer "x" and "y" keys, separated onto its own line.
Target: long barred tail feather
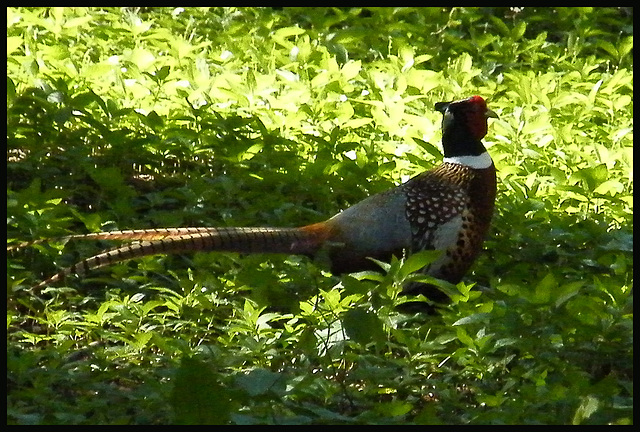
{"x": 128, "y": 235}
{"x": 177, "y": 240}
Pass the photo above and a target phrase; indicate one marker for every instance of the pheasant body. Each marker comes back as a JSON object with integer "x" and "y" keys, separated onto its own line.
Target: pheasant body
{"x": 448, "y": 208}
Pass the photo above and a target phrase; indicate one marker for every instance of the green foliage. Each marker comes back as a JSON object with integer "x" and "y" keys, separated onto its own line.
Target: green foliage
{"x": 158, "y": 117}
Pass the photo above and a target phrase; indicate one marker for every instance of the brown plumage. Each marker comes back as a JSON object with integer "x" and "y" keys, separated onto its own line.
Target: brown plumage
{"x": 448, "y": 208}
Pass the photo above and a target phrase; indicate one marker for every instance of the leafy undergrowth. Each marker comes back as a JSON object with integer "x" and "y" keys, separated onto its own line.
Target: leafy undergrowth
{"x": 138, "y": 118}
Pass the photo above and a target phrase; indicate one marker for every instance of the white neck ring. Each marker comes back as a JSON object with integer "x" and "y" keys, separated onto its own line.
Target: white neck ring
{"x": 482, "y": 161}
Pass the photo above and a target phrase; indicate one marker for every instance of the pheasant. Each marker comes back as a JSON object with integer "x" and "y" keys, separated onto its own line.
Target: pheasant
{"x": 448, "y": 208}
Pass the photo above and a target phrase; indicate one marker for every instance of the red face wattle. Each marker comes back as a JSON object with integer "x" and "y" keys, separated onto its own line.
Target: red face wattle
{"x": 476, "y": 113}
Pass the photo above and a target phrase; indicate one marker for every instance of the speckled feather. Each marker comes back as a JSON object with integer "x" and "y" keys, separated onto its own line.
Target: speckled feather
{"x": 450, "y": 192}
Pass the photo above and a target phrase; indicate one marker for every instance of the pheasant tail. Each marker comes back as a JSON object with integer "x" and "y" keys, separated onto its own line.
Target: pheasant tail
{"x": 165, "y": 241}
{"x": 131, "y": 235}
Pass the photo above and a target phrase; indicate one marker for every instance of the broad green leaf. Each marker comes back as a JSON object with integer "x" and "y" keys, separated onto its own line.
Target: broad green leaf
{"x": 261, "y": 382}
{"x": 417, "y": 261}
{"x": 351, "y": 69}
{"x": 464, "y": 337}
{"x": 363, "y": 326}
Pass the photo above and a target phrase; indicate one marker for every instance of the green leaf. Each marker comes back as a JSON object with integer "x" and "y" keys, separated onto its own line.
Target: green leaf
{"x": 286, "y": 32}
{"x": 463, "y": 337}
{"x": 163, "y": 73}
{"x": 418, "y": 261}
{"x": 472, "y": 319}
{"x": 587, "y": 408}
{"x": 142, "y": 58}
{"x": 393, "y": 409}
{"x": 363, "y": 326}
{"x": 351, "y": 69}
{"x": 543, "y": 290}
{"x": 197, "y": 397}
{"x": 140, "y": 340}
{"x": 260, "y": 382}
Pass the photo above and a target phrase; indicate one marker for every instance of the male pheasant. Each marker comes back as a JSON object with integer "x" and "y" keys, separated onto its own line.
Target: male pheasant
{"x": 448, "y": 208}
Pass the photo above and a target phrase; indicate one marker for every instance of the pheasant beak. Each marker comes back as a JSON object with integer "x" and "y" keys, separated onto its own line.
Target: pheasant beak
{"x": 490, "y": 113}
